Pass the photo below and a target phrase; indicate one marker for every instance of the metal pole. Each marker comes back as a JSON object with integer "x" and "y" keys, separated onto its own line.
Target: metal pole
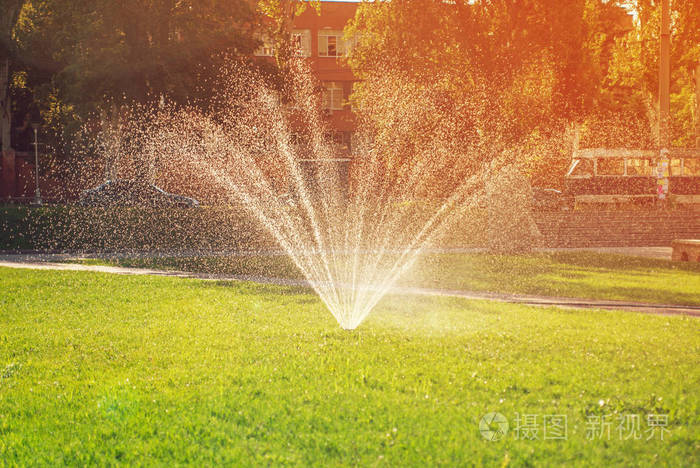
{"x": 663, "y": 165}
{"x": 37, "y": 193}
{"x": 664, "y": 75}
{"x": 697, "y": 106}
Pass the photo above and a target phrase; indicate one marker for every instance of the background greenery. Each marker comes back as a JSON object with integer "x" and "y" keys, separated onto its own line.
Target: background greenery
{"x": 123, "y": 228}
{"x": 142, "y": 229}
{"x": 519, "y": 79}
{"x": 518, "y": 75}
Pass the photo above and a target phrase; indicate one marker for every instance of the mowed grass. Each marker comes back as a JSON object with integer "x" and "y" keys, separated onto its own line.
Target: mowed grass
{"x": 577, "y": 274}
{"x": 586, "y": 275}
{"x": 99, "y": 369}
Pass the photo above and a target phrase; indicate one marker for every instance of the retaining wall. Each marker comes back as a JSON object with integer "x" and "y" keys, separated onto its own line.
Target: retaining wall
{"x": 617, "y": 228}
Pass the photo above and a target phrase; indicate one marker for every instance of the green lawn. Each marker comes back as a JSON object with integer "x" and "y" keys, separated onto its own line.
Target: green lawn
{"x": 568, "y": 274}
{"x": 99, "y": 369}
{"x": 585, "y": 275}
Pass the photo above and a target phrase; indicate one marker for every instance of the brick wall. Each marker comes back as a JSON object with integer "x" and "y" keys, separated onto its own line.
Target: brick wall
{"x": 617, "y": 228}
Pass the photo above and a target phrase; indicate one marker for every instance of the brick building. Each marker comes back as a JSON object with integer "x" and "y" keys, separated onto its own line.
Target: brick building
{"x": 319, "y": 37}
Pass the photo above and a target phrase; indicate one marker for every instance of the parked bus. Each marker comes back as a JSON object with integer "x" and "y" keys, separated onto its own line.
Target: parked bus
{"x": 624, "y": 176}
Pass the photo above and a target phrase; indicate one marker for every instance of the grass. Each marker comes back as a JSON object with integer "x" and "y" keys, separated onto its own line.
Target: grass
{"x": 586, "y": 275}
{"x": 579, "y": 274}
{"x": 100, "y": 369}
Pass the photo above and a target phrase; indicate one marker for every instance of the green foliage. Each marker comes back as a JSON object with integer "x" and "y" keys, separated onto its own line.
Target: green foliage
{"x": 502, "y": 76}
{"x": 516, "y": 73}
{"x": 77, "y": 228}
{"x": 280, "y": 16}
{"x": 11, "y": 11}
{"x": 102, "y": 370}
{"x": 79, "y": 54}
{"x": 533, "y": 51}
{"x": 631, "y": 86}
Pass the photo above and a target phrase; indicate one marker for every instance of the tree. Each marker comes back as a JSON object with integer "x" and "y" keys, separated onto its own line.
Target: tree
{"x": 11, "y": 10}
{"x": 280, "y": 15}
{"x": 633, "y": 78}
{"x": 73, "y": 55}
{"x": 492, "y": 41}
{"x": 136, "y": 49}
{"x": 516, "y": 71}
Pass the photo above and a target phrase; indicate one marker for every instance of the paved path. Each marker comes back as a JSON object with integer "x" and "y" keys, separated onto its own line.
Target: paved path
{"x": 648, "y": 252}
{"x": 543, "y": 301}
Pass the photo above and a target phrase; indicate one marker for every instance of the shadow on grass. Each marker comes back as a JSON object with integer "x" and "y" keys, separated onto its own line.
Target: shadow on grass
{"x": 569, "y": 274}
{"x": 627, "y": 293}
{"x": 615, "y": 262}
{"x": 251, "y": 288}
{"x": 267, "y": 265}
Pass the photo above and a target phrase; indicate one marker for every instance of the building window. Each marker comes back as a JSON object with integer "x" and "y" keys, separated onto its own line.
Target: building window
{"x": 332, "y": 46}
{"x": 301, "y": 42}
{"x": 639, "y": 167}
{"x": 691, "y": 167}
{"x": 331, "y": 43}
{"x": 333, "y": 95}
{"x": 267, "y": 48}
{"x": 343, "y": 140}
{"x": 611, "y": 166}
{"x": 297, "y": 45}
{"x": 675, "y": 167}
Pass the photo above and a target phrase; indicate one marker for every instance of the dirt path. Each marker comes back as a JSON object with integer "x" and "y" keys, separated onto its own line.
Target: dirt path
{"x": 20, "y": 261}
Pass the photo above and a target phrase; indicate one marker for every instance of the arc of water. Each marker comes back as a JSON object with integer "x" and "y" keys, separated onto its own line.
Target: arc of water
{"x": 351, "y": 254}
{"x": 284, "y": 147}
{"x": 412, "y": 251}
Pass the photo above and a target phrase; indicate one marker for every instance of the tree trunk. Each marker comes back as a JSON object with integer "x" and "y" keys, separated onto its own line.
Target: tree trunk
{"x": 8, "y": 19}
{"x": 5, "y": 105}
{"x": 283, "y": 35}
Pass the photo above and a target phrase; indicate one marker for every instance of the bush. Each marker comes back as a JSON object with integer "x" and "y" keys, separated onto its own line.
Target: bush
{"x": 76, "y": 228}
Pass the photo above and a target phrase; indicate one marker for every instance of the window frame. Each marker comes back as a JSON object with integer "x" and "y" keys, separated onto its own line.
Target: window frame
{"x": 696, "y": 169}
{"x": 328, "y": 88}
{"x": 304, "y": 36}
{"x": 341, "y": 48}
{"x": 266, "y": 49}
{"x": 649, "y": 166}
{"x": 596, "y": 165}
